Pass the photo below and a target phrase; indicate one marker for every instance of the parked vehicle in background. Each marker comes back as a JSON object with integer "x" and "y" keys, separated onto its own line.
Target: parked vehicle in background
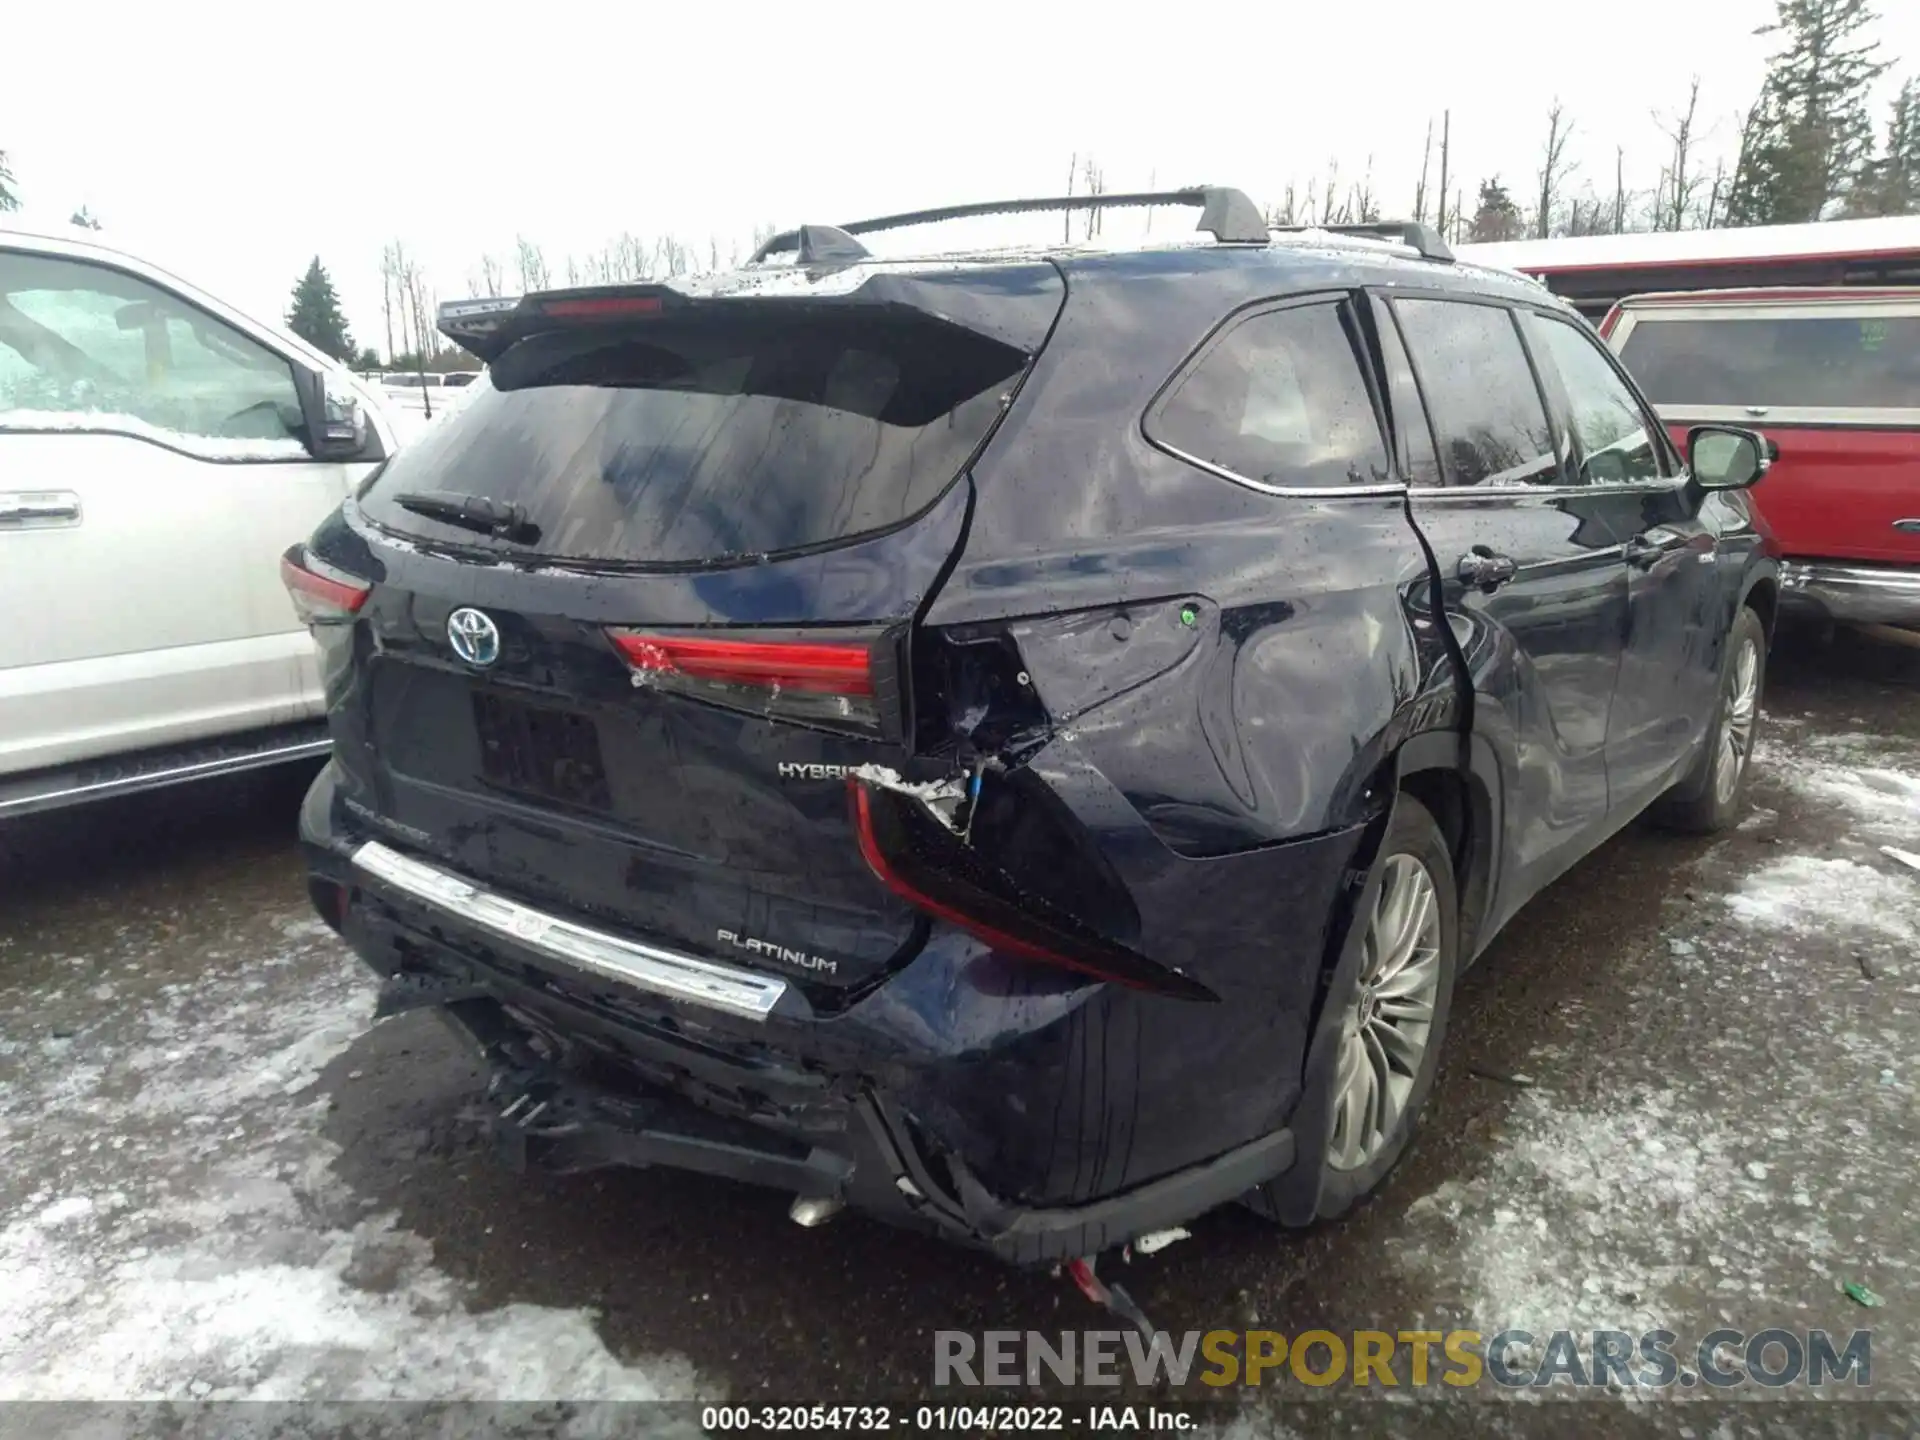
{"x": 1832, "y": 378}
{"x": 158, "y": 451}
{"x": 1020, "y": 744}
{"x": 1596, "y": 272}
{"x": 413, "y": 398}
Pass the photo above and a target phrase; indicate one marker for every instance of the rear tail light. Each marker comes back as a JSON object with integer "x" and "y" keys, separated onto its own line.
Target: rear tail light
{"x": 926, "y": 864}
{"x": 322, "y": 594}
{"x": 808, "y": 680}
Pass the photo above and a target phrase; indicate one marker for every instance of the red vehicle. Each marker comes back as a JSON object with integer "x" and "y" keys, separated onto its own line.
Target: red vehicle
{"x": 1832, "y": 377}
{"x": 1596, "y": 272}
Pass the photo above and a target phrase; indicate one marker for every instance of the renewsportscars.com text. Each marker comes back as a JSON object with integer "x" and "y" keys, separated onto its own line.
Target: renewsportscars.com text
{"x": 1652, "y": 1359}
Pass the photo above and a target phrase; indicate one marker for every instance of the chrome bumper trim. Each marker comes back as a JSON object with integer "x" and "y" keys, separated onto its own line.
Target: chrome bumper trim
{"x": 662, "y": 972}
{"x": 1869, "y": 594}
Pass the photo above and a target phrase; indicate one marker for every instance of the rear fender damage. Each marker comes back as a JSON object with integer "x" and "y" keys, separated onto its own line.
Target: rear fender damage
{"x": 929, "y": 854}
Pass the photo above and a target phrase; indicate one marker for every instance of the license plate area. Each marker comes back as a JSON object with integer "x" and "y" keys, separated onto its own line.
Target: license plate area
{"x": 540, "y": 752}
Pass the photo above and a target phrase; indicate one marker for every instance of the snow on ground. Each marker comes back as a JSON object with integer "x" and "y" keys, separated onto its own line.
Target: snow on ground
{"x": 1726, "y": 1164}
{"x": 171, "y": 1226}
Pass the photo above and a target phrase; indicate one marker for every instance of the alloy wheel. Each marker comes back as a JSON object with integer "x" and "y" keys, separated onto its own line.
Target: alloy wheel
{"x": 1737, "y": 715}
{"x": 1390, "y": 1018}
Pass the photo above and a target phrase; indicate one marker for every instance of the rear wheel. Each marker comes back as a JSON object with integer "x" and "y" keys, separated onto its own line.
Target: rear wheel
{"x": 1714, "y": 790}
{"x": 1389, "y": 1021}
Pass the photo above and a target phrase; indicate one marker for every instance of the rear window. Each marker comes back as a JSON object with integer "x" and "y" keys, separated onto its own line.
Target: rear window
{"x": 702, "y": 439}
{"x": 1833, "y": 361}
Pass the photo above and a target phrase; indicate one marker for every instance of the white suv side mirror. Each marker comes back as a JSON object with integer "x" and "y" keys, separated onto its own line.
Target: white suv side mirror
{"x": 337, "y": 427}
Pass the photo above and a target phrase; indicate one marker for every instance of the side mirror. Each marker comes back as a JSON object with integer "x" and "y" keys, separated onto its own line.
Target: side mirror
{"x": 334, "y": 424}
{"x": 1726, "y": 457}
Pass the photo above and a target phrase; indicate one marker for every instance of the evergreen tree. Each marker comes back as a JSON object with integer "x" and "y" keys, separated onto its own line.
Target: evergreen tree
{"x": 315, "y": 315}
{"x": 1890, "y": 185}
{"x": 1497, "y": 217}
{"x": 9, "y": 197}
{"x": 1808, "y": 134}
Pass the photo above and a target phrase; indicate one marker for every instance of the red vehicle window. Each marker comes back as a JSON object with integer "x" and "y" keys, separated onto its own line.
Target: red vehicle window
{"x": 1852, "y": 362}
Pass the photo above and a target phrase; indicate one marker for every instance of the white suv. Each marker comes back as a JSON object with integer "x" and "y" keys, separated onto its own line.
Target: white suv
{"x": 158, "y": 452}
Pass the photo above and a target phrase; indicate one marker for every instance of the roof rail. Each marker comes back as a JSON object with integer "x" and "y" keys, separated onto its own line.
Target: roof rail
{"x": 1224, "y": 212}
{"x": 1410, "y": 233}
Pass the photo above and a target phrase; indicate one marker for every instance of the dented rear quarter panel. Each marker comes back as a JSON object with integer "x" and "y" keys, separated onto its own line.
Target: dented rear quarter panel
{"x": 1227, "y": 768}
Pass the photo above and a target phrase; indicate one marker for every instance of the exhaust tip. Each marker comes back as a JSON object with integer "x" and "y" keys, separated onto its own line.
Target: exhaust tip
{"x": 812, "y": 1210}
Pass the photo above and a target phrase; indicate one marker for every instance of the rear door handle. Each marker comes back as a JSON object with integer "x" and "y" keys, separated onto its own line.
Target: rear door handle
{"x": 1484, "y": 570}
{"x": 24, "y": 509}
{"x": 1646, "y": 548}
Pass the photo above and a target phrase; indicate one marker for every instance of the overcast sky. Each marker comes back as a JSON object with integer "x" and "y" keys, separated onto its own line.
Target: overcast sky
{"x": 239, "y": 140}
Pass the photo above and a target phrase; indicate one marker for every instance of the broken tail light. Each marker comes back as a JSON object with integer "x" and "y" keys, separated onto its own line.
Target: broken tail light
{"x": 322, "y": 594}
{"x": 920, "y": 859}
{"x": 840, "y": 684}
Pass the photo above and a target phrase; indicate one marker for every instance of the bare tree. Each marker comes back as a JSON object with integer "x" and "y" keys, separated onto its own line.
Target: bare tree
{"x": 392, "y": 257}
{"x": 1446, "y": 148}
{"x": 416, "y": 318}
{"x": 1716, "y": 193}
{"x": 1327, "y": 191}
{"x": 1681, "y": 180}
{"x": 1619, "y": 188}
{"x": 1587, "y": 214}
{"x": 532, "y": 264}
{"x": 671, "y": 257}
{"x": 1066, "y": 220}
{"x": 493, "y": 276}
{"x": 1554, "y": 168}
{"x": 1420, "y": 190}
{"x": 1363, "y": 204}
{"x": 1096, "y": 179}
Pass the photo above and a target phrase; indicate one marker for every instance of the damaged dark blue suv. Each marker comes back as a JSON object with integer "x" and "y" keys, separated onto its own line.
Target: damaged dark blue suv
{"x": 1021, "y": 744}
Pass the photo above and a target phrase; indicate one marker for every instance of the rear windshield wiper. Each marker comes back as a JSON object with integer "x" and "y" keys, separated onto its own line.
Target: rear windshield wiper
{"x": 500, "y": 519}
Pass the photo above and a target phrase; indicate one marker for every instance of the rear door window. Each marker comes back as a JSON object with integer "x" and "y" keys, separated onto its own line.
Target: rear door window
{"x": 710, "y": 437}
{"x": 1617, "y": 443}
{"x": 1843, "y": 357}
{"x": 1487, "y": 412}
{"x": 1279, "y": 401}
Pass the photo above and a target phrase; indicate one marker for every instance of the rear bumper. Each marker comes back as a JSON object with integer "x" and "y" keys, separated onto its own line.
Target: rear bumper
{"x": 594, "y": 1065}
{"x": 1866, "y": 594}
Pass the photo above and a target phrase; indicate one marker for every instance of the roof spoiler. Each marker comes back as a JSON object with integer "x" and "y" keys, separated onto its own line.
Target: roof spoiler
{"x": 1227, "y": 214}
{"x": 488, "y": 326}
{"x": 1411, "y": 233}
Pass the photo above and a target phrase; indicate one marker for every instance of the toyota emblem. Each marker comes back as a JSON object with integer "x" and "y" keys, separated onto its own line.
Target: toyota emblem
{"x": 474, "y": 636}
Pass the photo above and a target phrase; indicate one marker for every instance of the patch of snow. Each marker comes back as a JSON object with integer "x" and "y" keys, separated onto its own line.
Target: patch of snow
{"x": 1157, "y": 1240}
{"x": 1804, "y": 894}
{"x": 61, "y": 1211}
{"x": 1665, "y": 1181}
{"x": 190, "y": 1238}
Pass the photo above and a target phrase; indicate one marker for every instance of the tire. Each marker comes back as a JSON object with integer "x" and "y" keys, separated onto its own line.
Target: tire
{"x": 1360, "y": 1152}
{"x": 1714, "y": 791}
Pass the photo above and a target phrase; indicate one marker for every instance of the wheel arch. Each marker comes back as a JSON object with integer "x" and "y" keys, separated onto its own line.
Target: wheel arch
{"x": 1762, "y": 597}
{"x": 1455, "y": 776}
